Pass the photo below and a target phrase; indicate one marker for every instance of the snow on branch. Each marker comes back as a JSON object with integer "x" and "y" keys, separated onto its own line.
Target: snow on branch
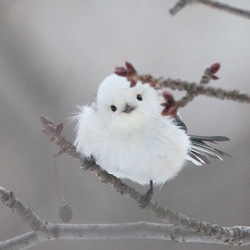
{"x": 213, "y": 4}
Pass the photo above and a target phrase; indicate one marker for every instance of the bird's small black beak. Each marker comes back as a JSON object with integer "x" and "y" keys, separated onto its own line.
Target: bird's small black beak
{"x": 128, "y": 109}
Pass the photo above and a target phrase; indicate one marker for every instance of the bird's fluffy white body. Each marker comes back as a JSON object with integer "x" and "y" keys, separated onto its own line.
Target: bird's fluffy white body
{"x": 136, "y": 143}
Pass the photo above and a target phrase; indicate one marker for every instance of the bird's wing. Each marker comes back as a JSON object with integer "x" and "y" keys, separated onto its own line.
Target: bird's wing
{"x": 200, "y": 151}
{"x": 180, "y": 123}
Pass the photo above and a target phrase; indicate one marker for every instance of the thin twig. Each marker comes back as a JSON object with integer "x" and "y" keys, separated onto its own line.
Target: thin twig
{"x": 23, "y": 241}
{"x": 179, "y": 6}
{"x": 209, "y": 73}
{"x": 8, "y": 198}
{"x": 226, "y": 8}
{"x": 213, "y": 4}
{"x": 192, "y": 89}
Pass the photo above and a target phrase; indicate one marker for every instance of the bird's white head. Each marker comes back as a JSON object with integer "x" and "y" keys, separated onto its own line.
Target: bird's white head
{"x": 127, "y": 108}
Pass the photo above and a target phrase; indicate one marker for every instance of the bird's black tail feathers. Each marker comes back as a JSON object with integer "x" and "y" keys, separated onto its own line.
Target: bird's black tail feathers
{"x": 201, "y": 151}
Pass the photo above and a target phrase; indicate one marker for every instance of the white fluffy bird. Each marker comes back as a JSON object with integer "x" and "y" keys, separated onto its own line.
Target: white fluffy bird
{"x": 126, "y": 134}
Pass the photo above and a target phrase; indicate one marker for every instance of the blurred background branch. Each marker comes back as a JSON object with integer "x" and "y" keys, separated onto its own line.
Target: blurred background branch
{"x": 213, "y": 4}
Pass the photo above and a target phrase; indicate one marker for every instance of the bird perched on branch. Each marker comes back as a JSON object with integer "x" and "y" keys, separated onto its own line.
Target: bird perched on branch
{"x": 127, "y": 135}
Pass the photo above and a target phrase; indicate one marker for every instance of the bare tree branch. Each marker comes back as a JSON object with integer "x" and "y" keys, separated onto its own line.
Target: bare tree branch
{"x": 137, "y": 230}
{"x": 179, "y": 6}
{"x": 213, "y": 4}
{"x": 23, "y": 241}
{"x": 9, "y": 199}
{"x": 170, "y": 216}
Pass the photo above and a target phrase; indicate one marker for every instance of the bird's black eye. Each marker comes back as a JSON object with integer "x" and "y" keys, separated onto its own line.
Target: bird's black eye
{"x": 113, "y": 108}
{"x": 139, "y": 97}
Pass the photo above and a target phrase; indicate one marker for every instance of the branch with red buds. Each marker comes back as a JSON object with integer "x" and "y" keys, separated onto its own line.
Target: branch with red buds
{"x": 192, "y": 89}
{"x": 55, "y": 134}
{"x": 170, "y": 107}
{"x": 129, "y": 72}
{"x": 209, "y": 73}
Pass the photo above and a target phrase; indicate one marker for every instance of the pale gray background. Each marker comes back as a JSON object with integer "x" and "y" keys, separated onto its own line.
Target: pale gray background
{"x": 53, "y": 55}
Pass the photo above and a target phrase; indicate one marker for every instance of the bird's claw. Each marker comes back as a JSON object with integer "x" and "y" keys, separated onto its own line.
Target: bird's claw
{"x": 146, "y": 198}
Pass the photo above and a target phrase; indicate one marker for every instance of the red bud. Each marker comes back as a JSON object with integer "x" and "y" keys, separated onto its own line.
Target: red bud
{"x": 59, "y": 128}
{"x": 214, "y": 67}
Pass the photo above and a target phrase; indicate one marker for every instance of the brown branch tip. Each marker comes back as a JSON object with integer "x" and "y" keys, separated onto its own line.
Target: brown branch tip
{"x": 54, "y": 131}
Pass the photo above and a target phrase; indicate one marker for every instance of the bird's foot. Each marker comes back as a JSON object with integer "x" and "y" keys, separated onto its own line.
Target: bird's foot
{"x": 87, "y": 163}
{"x": 146, "y": 198}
